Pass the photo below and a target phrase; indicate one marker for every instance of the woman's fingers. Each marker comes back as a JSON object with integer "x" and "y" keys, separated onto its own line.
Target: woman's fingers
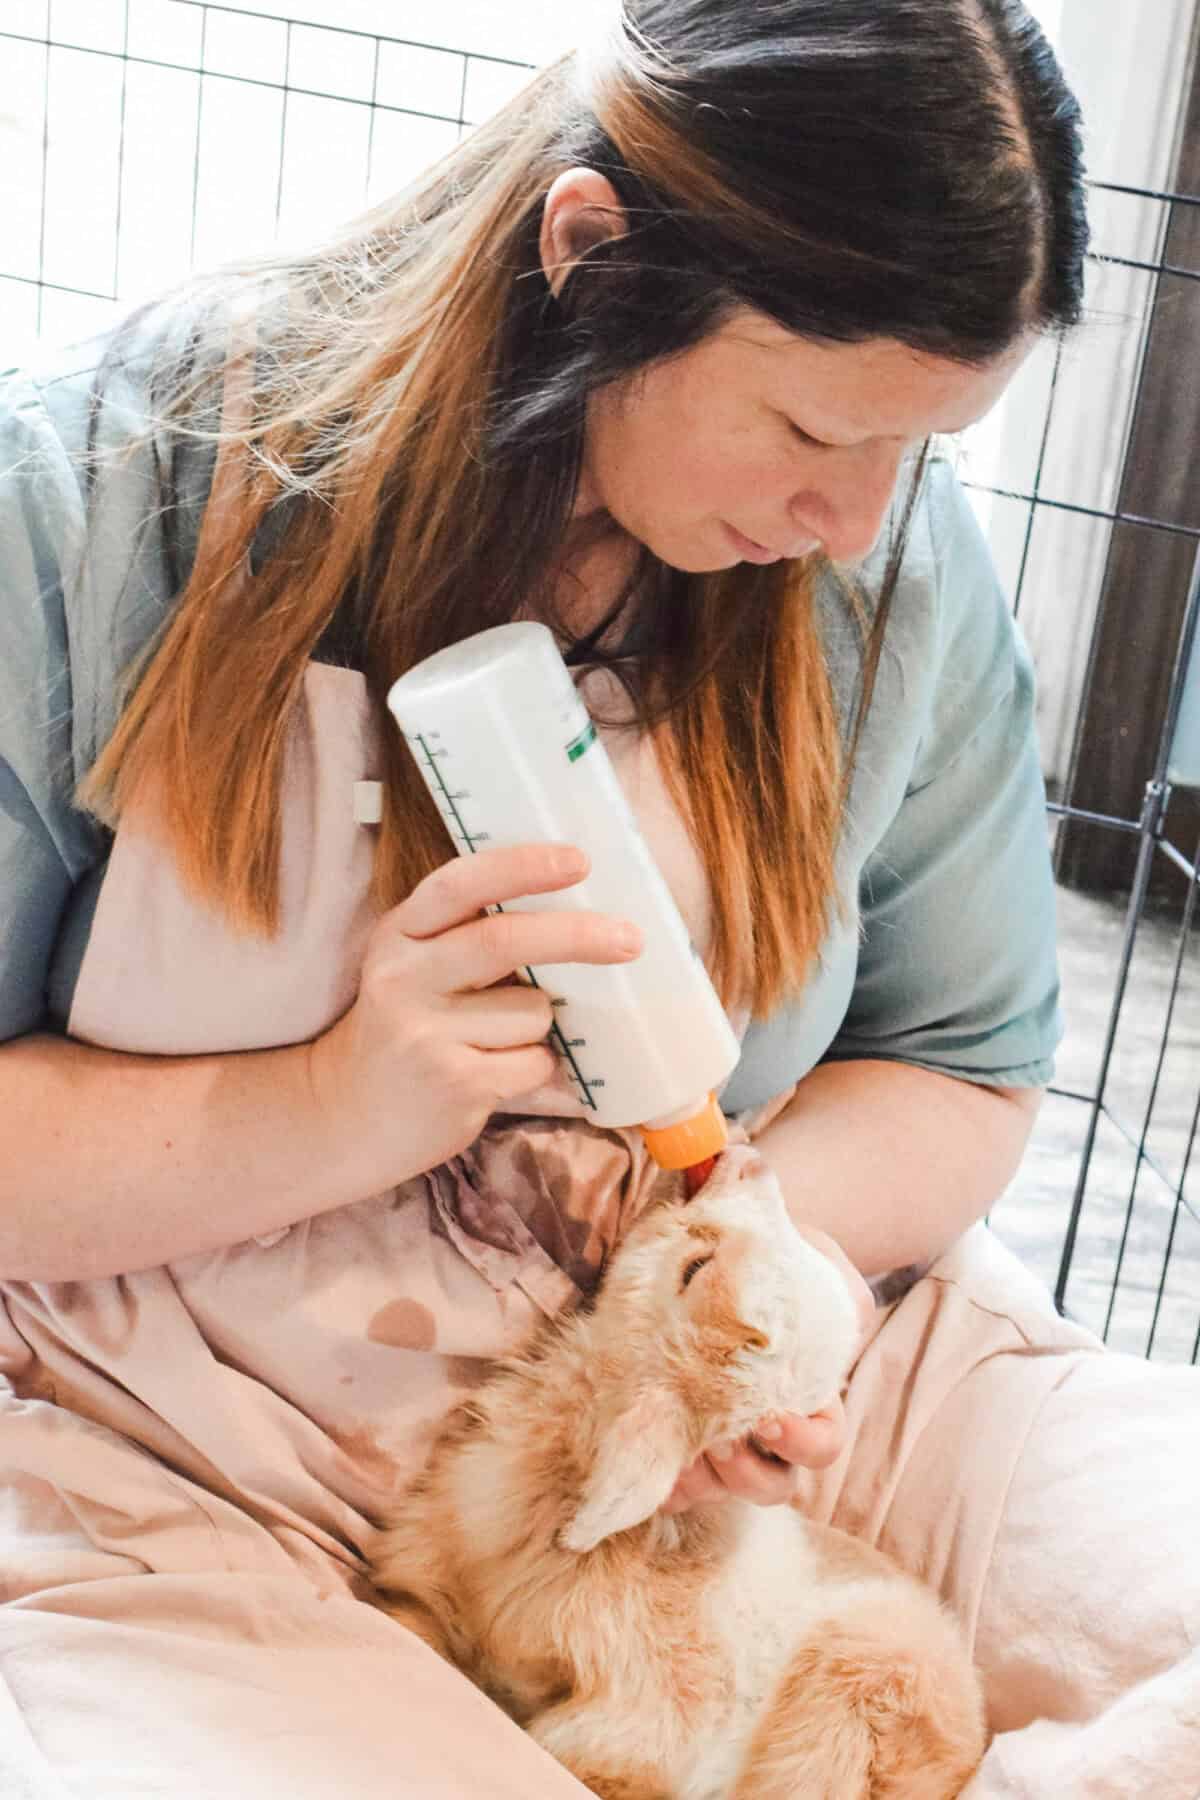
{"x": 463, "y": 887}
{"x": 762, "y": 1468}
{"x": 697, "y": 1486}
{"x": 442, "y": 940}
{"x": 556, "y": 1099}
{"x": 501, "y": 1018}
{"x": 513, "y": 1072}
{"x": 485, "y": 951}
{"x": 439, "y": 1035}
{"x": 814, "y": 1442}
{"x": 745, "y": 1472}
{"x": 732, "y": 1470}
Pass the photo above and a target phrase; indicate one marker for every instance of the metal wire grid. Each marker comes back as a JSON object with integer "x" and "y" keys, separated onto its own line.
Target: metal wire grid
{"x": 1169, "y": 1188}
{"x": 49, "y": 23}
{"x": 1152, "y": 1186}
{"x": 101, "y": 30}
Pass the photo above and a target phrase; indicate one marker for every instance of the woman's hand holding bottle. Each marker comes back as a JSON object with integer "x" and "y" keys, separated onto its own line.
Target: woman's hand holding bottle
{"x": 440, "y": 1036}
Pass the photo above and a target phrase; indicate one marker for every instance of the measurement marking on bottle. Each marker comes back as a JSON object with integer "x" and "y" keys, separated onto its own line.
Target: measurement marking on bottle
{"x": 564, "y": 1046}
{"x": 430, "y": 757}
{"x": 471, "y": 840}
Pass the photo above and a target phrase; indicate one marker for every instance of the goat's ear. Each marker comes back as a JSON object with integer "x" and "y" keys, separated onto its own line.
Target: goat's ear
{"x": 639, "y": 1459}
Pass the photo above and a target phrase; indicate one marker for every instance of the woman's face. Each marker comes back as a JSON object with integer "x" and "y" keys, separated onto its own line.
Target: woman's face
{"x": 756, "y": 444}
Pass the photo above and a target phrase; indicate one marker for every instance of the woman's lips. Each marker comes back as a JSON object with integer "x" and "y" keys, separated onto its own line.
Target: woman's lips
{"x": 752, "y": 551}
{"x": 749, "y": 551}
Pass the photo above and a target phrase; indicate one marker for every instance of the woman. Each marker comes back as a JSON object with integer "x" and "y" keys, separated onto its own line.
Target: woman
{"x": 653, "y": 357}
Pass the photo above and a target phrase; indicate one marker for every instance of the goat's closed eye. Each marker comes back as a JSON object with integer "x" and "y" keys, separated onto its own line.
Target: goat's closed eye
{"x": 693, "y": 1267}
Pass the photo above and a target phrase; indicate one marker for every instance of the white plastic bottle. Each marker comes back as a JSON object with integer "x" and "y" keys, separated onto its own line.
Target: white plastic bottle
{"x": 509, "y": 753}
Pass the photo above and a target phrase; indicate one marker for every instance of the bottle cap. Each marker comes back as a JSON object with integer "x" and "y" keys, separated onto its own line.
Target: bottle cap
{"x": 691, "y": 1141}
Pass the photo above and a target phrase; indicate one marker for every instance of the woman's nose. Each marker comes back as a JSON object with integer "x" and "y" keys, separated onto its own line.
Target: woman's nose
{"x": 855, "y": 491}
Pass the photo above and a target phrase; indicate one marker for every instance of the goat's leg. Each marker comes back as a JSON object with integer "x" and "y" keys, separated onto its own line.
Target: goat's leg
{"x": 587, "y": 1741}
{"x": 880, "y": 1701}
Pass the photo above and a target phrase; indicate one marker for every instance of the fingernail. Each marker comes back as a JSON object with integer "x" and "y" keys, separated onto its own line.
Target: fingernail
{"x": 629, "y": 940}
{"x": 770, "y": 1431}
{"x": 569, "y": 861}
{"x": 722, "y": 1453}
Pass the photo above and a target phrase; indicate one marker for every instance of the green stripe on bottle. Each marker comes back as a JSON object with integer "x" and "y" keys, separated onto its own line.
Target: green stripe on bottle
{"x": 577, "y": 746}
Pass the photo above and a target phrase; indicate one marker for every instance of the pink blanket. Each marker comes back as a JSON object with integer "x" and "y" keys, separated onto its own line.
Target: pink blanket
{"x": 194, "y": 1460}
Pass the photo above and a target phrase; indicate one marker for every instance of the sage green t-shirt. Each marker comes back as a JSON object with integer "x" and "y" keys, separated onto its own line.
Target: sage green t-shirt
{"x": 945, "y": 954}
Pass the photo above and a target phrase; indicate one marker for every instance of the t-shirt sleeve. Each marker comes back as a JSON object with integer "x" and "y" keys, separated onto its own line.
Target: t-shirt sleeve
{"x": 46, "y": 844}
{"x": 957, "y": 968}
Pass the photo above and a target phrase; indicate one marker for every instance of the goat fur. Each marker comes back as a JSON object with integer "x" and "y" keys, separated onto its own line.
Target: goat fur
{"x": 727, "y": 1653}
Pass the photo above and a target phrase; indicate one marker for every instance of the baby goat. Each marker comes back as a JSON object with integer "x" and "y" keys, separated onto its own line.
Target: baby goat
{"x": 727, "y": 1653}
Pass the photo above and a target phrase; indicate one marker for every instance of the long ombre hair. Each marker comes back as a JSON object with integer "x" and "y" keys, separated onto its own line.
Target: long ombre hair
{"x": 398, "y": 419}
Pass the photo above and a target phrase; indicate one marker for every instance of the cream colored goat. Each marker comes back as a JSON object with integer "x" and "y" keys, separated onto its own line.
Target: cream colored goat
{"x": 728, "y": 1653}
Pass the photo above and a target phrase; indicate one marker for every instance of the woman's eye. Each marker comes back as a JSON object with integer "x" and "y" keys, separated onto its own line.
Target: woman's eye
{"x": 693, "y": 1268}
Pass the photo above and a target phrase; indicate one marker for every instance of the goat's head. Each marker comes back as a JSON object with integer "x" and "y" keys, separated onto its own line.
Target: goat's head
{"x": 710, "y": 1315}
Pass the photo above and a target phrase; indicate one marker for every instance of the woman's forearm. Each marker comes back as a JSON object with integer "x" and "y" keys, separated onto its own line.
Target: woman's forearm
{"x": 894, "y": 1161}
{"x": 110, "y": 1163}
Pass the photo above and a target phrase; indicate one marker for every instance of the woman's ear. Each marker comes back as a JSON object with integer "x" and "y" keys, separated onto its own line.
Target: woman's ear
{"x": 581, "y": 210}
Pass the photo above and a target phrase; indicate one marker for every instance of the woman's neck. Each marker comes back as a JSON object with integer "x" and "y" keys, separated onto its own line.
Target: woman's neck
{"x": 595, "y": 570}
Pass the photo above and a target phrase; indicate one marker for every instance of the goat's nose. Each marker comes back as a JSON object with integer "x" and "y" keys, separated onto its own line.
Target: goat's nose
{"x": 746, "y": 1162}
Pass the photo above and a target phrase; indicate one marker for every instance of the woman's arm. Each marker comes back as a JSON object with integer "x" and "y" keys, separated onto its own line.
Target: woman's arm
{"x": 113, "y": 1162}
{"x": 894, "y": 1161}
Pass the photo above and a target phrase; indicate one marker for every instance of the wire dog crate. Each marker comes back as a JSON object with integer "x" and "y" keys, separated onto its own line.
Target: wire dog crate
{"x": 125, "y": 128}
